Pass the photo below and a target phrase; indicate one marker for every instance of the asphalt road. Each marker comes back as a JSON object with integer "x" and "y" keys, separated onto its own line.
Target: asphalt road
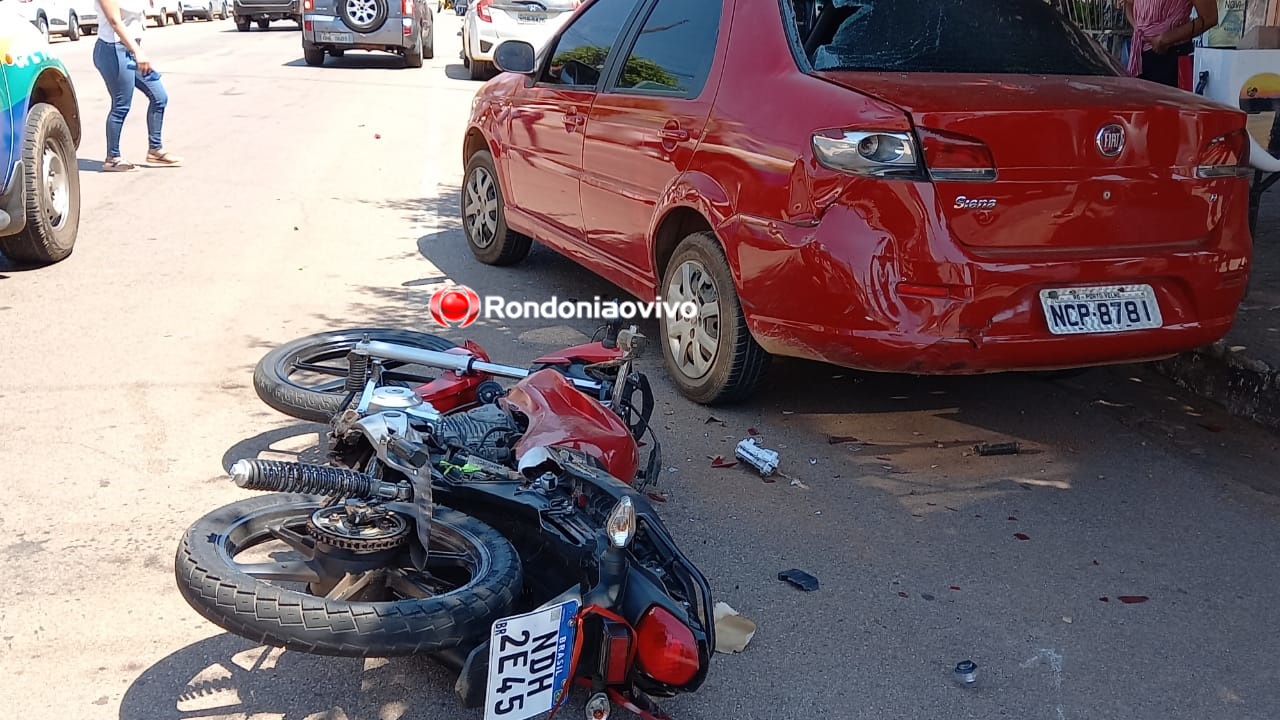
{"x": 316, "y": 198}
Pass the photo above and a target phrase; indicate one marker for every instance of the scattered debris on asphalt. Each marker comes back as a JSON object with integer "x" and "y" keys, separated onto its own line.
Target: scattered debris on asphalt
{"x": 719, "y": 462}
{"x": 841, "y": 439}
{"x": 1132, "y": 599}
{"x": 1108, "y": 403}
{"x": 988, "y": 449}
{"x": 966, "y": 672}
{"x": 733, "y": 631}
{"x": 800, "y": 579}
{"x": 1022, "y": 536}
{"x": 713, "y": 419}
{"x": 657, "y": 496}
{"x": 760, "y": 458}
{"x": 796, "y": 483}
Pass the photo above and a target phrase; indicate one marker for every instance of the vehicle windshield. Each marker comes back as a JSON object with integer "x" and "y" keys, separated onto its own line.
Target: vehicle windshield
{"x": 946, "y": 36}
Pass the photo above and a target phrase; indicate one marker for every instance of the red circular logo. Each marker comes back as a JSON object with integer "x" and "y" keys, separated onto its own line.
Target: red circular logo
{"x": 458, "y": 305}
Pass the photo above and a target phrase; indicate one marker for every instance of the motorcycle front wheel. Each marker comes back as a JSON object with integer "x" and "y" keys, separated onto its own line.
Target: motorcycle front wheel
{"x": 368, "y": 603}
{"x": 306, "y": 378}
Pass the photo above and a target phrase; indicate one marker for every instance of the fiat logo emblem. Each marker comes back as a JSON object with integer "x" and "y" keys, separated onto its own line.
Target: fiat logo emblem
{"x": 1110, "y": 140}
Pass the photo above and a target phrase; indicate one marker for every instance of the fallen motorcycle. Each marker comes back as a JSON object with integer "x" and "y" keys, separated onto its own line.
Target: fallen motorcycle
{"x": 507, "y": 536}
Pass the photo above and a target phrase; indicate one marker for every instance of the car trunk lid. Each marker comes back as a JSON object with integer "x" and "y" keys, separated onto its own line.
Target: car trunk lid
{"x": 1080, "y": 162}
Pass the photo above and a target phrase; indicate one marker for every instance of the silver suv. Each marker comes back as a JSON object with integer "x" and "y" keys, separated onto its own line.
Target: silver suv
{"x": 401, "y": 27}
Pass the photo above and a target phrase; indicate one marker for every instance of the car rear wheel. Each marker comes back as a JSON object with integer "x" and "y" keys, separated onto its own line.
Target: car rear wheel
{"x": 413, "y": 55}
{"x": 429, "y": 44}
{"x": 242, "y": 24}
{"x": 363, "y": 16}
{"x": 52, "y": 191}
{"x": 73, "y": 28}
{"x": 313, "y": 55}
{"x": 480, "y": 70}
{"x": 484, "y": 218}
{"x": 711, "y": 356}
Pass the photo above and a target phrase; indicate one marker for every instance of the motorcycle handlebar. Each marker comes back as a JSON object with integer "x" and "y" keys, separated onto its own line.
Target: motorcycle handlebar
{"x": 462, "y": 364}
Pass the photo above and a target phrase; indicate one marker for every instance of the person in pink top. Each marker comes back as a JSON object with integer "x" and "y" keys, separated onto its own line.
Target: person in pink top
{"x": 1162, "y": 32}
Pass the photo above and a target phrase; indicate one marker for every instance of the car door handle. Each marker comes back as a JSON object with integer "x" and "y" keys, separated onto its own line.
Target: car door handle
{"x": 573, "y": 117}
{"x": 673, "y": 134}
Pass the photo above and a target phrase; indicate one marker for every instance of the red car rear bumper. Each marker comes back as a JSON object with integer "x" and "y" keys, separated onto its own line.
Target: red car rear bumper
{"x": 844, "y": 293}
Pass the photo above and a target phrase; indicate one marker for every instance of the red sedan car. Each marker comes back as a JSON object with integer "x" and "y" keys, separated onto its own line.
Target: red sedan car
{"x": 920, "y": 187}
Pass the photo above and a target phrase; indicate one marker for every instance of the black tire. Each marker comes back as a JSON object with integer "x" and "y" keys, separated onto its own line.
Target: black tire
{"x": 429, "y": 44}
{"x": 271, "y": 376}
{"x": 738, "y": 363}
{"x": 488, "y": 236}
{"x": 163, "y": 19}
{"x": 481, "y": 69}
{"x": 73, "y": 28}
{"x": 313, "y": 55}
{"x": 179, "y": 17}
{"x": 242, "y": 24}
{"x": 49, "y": 235}
{"x": 300, "y": 621}
{"x": 413, "y": 55}
{"x": 370, "y": 24}
{"x": 264, "y": 24}
{"x": 43, "y": 26}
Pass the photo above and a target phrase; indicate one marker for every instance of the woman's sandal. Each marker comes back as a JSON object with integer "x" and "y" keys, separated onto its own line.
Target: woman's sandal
{"x": 118, "y": 165}
{"x": 162, "y": 158}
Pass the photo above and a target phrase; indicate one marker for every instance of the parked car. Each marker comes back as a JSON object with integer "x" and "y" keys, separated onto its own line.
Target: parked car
{"x": 332, "y": 27}
{"x": 264, "y": 12}
{"x": 71, "y": 19}
{"x": 491, "y": 22}
{"x": 163, "y": 11}
{"x": 40, "y": 183}
{"x": 988, "y": 192}
{"x": 206, "y": 9}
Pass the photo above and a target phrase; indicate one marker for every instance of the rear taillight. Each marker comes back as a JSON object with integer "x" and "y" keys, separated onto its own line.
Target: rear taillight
{"x": 949, "y": 157}
{"x": 873, "y": 153}
{"x": 482, "y": 10}
{"x": 1225, "y": 156}
{"x": 615, "y": 652}
{"x": 666, "y": 649}
{"x": 308, "y": 5}
{"x": 406, "y": 7}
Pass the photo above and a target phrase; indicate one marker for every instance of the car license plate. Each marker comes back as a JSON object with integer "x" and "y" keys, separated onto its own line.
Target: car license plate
{"x": 531, "y": 17}
{"x": 529, "y": 662}
{"x": 1114, "y": 308}
{"x": 334, "y": 37}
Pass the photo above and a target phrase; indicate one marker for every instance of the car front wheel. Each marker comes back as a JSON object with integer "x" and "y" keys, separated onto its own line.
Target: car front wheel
{"x": 709, "y": 353}
{"x": 484, "y": 215}
{"x": 52, "y": 190}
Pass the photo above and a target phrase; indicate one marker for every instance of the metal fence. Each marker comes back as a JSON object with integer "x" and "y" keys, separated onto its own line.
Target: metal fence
{"x": 1103, "y": 19}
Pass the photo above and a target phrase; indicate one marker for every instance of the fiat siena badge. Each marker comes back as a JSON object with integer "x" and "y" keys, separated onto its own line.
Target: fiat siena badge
{"x": 1110, "y": 140}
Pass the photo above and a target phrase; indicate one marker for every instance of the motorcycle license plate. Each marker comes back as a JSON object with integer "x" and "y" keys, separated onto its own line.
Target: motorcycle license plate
{"x": 529, "y": 658}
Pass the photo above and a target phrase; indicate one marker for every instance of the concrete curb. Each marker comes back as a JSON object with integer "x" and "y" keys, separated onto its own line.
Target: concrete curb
{"x": 1246, "y": 387}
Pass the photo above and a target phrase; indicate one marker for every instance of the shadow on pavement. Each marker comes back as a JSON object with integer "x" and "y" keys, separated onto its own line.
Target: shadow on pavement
{"x": 358, "y": 60}
{"x": 303, "y": 442}
{"x": 229, "y": 676}
{"x": 89, "y": 165}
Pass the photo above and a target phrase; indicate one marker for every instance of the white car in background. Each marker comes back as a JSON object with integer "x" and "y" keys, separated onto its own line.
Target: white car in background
{"x": 489, "y": 22}
{"x": 69, "y": 18}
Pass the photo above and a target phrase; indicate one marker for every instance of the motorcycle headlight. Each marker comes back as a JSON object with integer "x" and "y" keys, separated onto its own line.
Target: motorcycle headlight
{"x": 621, "y": 524}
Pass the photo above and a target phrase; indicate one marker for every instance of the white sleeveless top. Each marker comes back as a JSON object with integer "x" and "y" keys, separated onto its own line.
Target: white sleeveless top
{"x": 132, "y": 12}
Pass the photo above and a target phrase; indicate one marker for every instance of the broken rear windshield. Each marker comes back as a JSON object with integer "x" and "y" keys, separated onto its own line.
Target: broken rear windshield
{"x": 949, "y": 36}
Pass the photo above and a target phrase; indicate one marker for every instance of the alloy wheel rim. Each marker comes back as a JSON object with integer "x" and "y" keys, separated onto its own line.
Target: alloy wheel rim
{"x": 694, "y": 342}
{"x": 362, "y": 11}
{"x": 481, "y": 208}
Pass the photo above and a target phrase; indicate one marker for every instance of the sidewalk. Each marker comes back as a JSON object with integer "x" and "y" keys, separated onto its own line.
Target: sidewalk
{"x": 1243, "y": 371}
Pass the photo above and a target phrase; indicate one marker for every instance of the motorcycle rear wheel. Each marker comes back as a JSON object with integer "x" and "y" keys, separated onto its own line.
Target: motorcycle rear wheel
{"x": 234, "y": 596}
{"x": 325, "y": 354}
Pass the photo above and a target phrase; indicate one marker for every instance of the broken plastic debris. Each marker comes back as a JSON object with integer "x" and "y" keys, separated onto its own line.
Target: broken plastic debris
{"x": 377, "y": 136}
{"x": 753, "y": 432}
{"x": 813, "y": 461}
{"x": 733, "y": 631}
{"x": 800, "y": 579}
{"x": 1132, "y": 599}
{"x": 797, "y": 483}
{"x": 657, "y": 496}
{"x": 719, "y": 462}
{"x": 1108, "y": 403}
{"x": 1022, "y": 536}
{"x": 762, "y": 459}
{"x": 986, "y": 449}
{"x": 840, "y": 439}
{"x": 955, "y": 587}
{"x": 713, "y": 419}
{"x": 902, "y": 594}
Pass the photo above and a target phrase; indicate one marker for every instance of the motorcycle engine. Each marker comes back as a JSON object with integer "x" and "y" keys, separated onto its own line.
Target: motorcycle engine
{"x": 487, "y": 431}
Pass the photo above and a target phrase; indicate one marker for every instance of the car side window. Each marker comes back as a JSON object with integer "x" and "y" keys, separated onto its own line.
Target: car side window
{"x": 580, "y": 54}
{"x": 674, "y": 50}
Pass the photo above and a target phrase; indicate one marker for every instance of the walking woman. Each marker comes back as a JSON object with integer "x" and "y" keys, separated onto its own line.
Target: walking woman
{"x": 1162, "y": 32}
{"x": 119, "y": 57}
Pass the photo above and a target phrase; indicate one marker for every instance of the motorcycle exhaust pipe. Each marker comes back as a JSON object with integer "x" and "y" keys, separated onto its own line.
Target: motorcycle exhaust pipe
{"x": 308, "y": 479}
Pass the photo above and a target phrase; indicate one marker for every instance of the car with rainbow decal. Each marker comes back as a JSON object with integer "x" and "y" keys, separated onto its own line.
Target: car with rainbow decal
{"x": 39, "y": 135}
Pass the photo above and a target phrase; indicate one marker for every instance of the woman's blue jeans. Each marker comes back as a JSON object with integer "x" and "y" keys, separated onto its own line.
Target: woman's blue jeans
{"x": 120, "y": 72}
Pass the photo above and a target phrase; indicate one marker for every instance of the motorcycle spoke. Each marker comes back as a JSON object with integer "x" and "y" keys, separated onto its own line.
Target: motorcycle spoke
{"x": 329, "y": 386}
{"x": 305, "y": 546}
{"x": 287, "y": 571}
{"x": 353, "y": 584}
{"x": 400, "y": 582}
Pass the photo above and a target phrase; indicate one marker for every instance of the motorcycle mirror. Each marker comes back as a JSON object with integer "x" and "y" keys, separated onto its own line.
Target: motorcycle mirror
{"x": 621, "y": 524}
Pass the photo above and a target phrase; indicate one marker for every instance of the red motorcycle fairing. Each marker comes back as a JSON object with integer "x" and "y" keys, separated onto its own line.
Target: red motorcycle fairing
{"x": 560, "y": 414}
{"x": 588, "y": 353}
{"x": 452, "y": 391}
